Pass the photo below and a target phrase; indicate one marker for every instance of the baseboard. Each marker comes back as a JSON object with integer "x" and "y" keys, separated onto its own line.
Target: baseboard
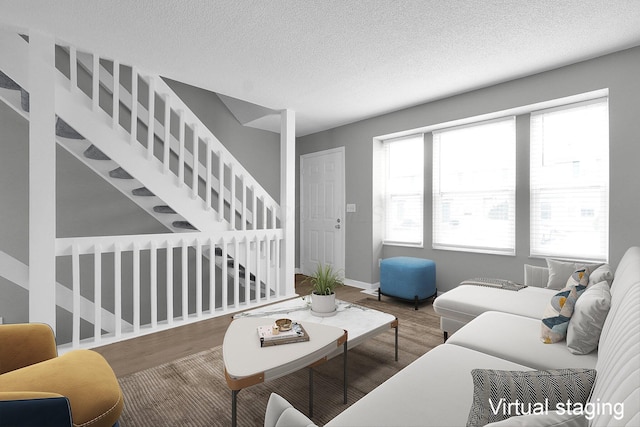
{"x": 362, "y": 285}
{"x": 366, "y": 287}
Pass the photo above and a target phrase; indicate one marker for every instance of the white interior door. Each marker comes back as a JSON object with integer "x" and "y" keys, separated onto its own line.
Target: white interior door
{"x": 322, "y": 209}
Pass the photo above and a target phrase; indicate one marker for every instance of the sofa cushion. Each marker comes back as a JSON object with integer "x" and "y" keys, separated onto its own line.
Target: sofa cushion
{"x": 517, "y": 339}
{"x": 466, "y": 302}
{"x": 429, "y": 392}
{"x": 588, "y": 318}
{"x": 561, "y": 271}
{"x": 499, "y": 395}
{"x": 560, "y": 309}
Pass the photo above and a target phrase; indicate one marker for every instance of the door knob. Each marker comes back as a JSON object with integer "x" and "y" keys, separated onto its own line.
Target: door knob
{"x": 338, "y": 226}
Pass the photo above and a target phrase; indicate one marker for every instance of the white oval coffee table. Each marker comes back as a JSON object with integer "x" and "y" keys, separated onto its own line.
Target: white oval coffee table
{"x": 246, "y": 363}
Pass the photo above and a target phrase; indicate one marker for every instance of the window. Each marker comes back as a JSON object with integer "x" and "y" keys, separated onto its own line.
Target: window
{"x": 570, "y": 181}
{"x": 474, "y": 187}
{"x": 404, "y": 188}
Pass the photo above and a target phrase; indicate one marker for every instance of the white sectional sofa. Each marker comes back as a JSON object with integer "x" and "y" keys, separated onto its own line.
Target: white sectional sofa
{"x": 466, "y": 302}
{"x": 438, "y": 388}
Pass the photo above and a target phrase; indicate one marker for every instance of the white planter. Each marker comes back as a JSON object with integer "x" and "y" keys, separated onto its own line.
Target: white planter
{"x": 323, "y": 305}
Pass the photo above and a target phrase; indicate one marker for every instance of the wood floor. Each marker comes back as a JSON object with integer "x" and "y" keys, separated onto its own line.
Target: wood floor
{"x": 155, "y": 349}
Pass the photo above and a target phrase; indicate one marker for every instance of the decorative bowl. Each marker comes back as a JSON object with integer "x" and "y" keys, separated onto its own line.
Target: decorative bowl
{"x": 284, "y": 324}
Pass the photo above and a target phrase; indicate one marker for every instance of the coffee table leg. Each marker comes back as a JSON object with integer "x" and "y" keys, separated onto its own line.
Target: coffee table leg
{"x": 234, "y": 399}
{"x": 396, "y": 342}
{"x": 344, "y": 352}
{"x": 310, "y": 392}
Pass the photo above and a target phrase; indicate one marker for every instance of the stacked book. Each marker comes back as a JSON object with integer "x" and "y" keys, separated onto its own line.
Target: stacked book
{"x": 267, "y": 337}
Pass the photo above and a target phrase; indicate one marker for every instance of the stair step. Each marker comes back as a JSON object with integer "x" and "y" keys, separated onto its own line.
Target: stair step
{"x": 184, "y": 224}
{"x": 241, "y": 269}
{"x": 65, "y": 131}
{"x": 163, "y": 209}
{"x": 94, "y": 153}
{"x": 7, "y": 83}
{"x": 24, "y": 100}
{"x": 120, "y": 174}
{"x": 142, "y": 191}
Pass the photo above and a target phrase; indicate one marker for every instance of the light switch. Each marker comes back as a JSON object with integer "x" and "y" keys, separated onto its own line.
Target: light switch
{"x": 351, "y": 207}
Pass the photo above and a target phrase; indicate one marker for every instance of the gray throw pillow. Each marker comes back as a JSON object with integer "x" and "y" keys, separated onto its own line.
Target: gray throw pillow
{"x": 604, "y": 272}
{"x": 560, "y": 271}
{"x": 498, "y": 395}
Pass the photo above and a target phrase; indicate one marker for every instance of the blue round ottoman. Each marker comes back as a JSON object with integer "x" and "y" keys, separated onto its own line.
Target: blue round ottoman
{"x": 408, "y": 278}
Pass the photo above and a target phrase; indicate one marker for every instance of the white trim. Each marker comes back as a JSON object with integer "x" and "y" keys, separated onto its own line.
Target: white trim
{"x": 361, "y": 285}
{"x": 288, "y": 197}
{"x": 42, "y": 180}
{"x": 516, "y": 111}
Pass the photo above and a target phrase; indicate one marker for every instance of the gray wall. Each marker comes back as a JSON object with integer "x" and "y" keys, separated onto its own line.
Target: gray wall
{"x": 619, "y": 72}
{"x": 86, "y": 206}
{"x": 257, "y": 150}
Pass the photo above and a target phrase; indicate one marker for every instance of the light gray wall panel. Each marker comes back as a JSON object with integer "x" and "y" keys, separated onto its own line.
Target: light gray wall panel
{"x": 257, "y": 150}
{"x": 618, "y": 72}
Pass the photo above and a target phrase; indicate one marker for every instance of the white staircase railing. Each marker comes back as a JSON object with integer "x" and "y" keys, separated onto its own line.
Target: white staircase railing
{"x": 18, "y": 273}
{"x": 153, "y": 282}
{"x": 236, "y": 260}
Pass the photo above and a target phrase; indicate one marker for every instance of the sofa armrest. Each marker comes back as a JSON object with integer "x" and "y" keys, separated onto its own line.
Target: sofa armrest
{"x": 25, "y": 344}
{"x": 536, "y": 276}
{"x": 34, "y": 409}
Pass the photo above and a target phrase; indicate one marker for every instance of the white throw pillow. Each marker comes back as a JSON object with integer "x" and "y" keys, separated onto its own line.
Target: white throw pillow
{"x": 560, "y": 271}
{"x": 281, "y": 413}
{"x": 589, "y": 314}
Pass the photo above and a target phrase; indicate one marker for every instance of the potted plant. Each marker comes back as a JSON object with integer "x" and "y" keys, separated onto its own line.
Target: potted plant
{"x": 324, "y": 281}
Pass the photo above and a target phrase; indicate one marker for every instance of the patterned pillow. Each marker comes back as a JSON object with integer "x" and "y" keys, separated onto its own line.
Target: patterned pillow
{"x": 498, "y": 395}
{"x": 555, "y": 320}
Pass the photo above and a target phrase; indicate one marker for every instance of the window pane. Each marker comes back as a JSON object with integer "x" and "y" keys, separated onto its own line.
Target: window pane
{"x": 570, "y": 181}
{"x": 404, "y": 190}
{"x": 474, "y": 188}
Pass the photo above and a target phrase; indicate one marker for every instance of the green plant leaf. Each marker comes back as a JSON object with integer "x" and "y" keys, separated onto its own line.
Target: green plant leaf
{"x": 325, "y": 280}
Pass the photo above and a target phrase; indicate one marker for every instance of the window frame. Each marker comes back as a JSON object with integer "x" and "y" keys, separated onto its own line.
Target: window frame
{"x": 593, "y": 192}
{"x": 508, "y": 192}
{"x": 387, "y": 195}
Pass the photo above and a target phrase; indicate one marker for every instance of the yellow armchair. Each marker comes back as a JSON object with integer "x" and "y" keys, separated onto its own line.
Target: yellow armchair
{"x": 32, "y": 375}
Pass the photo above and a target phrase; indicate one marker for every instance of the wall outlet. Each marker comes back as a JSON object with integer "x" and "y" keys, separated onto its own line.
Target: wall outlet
{"x": 351, "y": 207}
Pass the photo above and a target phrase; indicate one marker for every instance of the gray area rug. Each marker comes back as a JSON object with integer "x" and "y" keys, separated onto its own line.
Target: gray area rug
{"x": 191, "y": 391}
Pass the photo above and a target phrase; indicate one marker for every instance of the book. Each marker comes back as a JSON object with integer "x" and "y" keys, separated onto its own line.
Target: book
{"x": 296, "y": 334}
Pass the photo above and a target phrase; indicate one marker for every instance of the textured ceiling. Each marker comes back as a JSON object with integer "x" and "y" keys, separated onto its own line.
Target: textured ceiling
{"x": 337, "y": 61}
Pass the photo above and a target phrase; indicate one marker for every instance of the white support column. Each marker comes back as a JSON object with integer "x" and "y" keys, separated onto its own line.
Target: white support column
{"x": 288, "y": 197}
{"x": 42, "y": 181}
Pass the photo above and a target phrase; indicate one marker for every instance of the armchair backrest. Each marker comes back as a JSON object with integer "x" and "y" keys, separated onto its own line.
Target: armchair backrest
{"x": 24, "y": 344}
